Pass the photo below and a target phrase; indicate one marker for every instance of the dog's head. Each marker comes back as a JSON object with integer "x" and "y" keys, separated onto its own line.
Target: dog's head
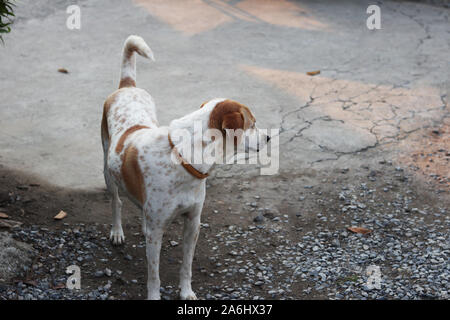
{"x": 236, "y": 122}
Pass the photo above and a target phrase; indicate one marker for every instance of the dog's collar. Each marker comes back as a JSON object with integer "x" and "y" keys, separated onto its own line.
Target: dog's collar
{"x": 189, "y": 168}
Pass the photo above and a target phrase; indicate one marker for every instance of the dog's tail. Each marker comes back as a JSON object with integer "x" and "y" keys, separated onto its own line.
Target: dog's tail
{"x": 128, "y": 71}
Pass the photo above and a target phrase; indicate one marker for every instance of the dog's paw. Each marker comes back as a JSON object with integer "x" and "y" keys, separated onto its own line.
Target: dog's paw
{"x": 116, "y": 236}
{"x": 187, "y": 295}
{"x": 153, "y": 296}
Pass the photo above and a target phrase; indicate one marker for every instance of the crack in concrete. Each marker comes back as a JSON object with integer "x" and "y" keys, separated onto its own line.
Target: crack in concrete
{"x": 347, "y": 105}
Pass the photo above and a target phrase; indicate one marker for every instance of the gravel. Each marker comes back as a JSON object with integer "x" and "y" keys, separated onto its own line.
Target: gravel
{"x": 410, "y": 246}
{"x": 274, "y": 256}
{"x": 46, "y": 278}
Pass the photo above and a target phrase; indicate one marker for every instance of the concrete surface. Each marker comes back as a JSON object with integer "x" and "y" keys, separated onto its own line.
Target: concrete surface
{"x": 375, "y": 89}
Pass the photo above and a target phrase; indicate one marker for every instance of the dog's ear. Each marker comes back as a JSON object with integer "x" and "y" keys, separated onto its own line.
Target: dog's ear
{"x": 233, "y": 120}
{"x": 227, "y": 115}
{"x": 233, "y": 125}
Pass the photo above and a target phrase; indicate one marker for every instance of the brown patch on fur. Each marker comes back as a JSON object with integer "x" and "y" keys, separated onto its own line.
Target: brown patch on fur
{"x": 105, "y": 131}
{"x": 230, "y": 114}
{"x": 127, "y": 82}
{"x": 106, "y": 106}
{"x": 132, "y": 174}
{"x": 125, "y": 135}
{"x": 233, "y": 120}
{"x": 204, "y": 104}
{"x": 249, "y": 119}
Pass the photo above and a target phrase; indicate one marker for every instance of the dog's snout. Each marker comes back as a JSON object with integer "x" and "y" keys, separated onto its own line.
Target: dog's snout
{"x": 268, "y": 138}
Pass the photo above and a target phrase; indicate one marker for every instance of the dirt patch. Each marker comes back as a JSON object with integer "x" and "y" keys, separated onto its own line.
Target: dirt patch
{"x": 261, "y": 237}
{"x": 429, "y": 156}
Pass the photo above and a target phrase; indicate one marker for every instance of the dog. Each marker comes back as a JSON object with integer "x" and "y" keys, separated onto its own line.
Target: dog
{"x": 139, "y": 162}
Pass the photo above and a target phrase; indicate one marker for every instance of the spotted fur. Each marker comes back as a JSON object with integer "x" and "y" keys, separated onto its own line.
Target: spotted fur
{"x": 137, "y": 161}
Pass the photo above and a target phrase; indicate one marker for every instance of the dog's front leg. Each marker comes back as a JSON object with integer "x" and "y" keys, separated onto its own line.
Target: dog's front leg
{"x": 190, "y": 235}
{"x": 153, "y": 237}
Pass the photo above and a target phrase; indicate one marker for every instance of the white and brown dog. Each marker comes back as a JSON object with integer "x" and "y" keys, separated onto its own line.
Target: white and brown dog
{"x": 138, "y": 161}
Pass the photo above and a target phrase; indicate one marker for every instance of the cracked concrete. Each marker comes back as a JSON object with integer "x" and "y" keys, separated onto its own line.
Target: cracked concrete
{"x": 341, "y": 116}
{"x": 375, "y": 90}
{"x": 324, "y": 133}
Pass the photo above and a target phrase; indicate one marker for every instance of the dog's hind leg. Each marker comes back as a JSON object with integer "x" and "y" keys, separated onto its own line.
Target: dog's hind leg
{"x": 116, "y": 236}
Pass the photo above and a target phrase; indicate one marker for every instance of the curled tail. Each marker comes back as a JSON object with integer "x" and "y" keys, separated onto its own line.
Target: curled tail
{"x": 128, "y": 71}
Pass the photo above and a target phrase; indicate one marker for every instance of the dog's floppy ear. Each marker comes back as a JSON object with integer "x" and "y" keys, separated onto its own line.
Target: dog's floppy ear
{"x": 233, "y": 120}
{"x": 233, "y": 125}
{"x": 227, "y": 115}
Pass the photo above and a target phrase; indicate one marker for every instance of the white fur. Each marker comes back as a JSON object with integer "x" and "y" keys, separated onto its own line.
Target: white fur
{"x": 170, "y": 190}
{"x": 129, "y": 64}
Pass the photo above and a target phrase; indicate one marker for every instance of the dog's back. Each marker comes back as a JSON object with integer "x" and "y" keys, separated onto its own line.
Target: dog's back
{"x": 127, "y": 112}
